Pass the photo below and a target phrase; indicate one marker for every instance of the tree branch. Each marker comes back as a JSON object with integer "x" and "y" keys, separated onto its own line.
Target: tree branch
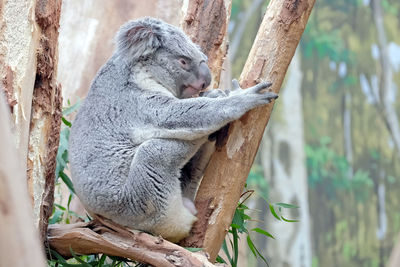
{"x": 104, "y": 236}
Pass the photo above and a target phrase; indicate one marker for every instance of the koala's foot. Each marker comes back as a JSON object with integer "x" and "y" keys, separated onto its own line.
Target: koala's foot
{"x": 189, "y": 205}
{"x": 178, "y": 220}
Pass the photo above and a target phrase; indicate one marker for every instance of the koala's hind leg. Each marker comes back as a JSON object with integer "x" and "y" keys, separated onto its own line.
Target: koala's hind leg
{"x": 156, "y": 193}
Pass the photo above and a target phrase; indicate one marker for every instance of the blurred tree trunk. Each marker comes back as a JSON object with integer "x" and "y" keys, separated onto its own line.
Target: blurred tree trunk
{"x": 19, "y": 242}
{"x": 385, "y": 103}
{"x": 347, "y": 137}
{"x": 29, "y": 35}
{"x": 385, "y": 106}
{"x": 226, "y": 174}
{"x": 242, "y": 24}
{"x": 283, "y": 161}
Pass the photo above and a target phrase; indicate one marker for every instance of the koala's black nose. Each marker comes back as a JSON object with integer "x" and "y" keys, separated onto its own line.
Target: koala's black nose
{"x": 204, "y": 75}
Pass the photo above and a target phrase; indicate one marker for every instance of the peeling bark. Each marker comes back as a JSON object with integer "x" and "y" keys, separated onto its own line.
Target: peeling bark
{"x": 46, "y": 115}
{"x": 104, "y": 236}
{"x": 226, "y": 174}
{"x": 18, "y": 43}
{"x": 19, "y": 242}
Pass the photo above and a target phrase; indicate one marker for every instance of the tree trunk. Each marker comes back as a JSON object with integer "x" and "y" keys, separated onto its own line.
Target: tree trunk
{"x": 283, "y": 160}
{"x": 226, "y": 174}
{"x": 44, "y": 132}
{"x": 19, "y": 41}
{"x": 206, "y": 22}
{"x": 19, "y": 242}
{"x": 28, "y": 69}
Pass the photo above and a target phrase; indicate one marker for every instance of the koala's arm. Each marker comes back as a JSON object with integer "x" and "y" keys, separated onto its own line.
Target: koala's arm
{"x": 194, "y": 118}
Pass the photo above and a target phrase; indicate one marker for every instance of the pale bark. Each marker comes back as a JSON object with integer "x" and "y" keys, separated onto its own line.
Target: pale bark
{"x": 283, "y": 159}
{"x": 28, "y": 52}
{"x": 226, "y": 174}
{"x": 104, "y": 236}
{"x": 44, "y": 133}
{"x": 19, "y": 242}
{"x": 19, "y": 40}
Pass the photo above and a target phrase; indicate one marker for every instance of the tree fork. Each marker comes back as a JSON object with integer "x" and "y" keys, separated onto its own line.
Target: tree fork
{"x": 226, "y": 174}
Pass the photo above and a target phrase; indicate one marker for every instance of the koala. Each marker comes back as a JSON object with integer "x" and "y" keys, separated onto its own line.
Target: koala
{"x": 139, "y": 131}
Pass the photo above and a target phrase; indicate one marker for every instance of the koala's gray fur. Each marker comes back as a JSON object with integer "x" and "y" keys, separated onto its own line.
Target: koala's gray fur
{"x": 138, "y": 129}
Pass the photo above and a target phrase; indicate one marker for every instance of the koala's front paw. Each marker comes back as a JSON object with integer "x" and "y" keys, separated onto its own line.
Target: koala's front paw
{"x": 257, "y": 93}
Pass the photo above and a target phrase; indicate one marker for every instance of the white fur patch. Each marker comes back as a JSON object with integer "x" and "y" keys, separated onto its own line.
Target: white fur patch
{"x": 146, "y": 81}
{"x": 178, "y": 220}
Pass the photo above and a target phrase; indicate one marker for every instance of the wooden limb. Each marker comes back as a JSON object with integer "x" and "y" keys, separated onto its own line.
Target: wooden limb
{"x": 104, "y": 236}
{"x": 19, "y": 240}
{"x": 226, "y": 174}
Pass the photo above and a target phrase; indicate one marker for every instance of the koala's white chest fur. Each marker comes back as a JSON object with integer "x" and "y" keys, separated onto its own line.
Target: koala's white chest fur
{"x": 146, "y": 81}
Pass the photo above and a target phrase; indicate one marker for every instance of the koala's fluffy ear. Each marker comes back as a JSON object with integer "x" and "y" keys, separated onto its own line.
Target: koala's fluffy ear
{"x": 138, "y": 39}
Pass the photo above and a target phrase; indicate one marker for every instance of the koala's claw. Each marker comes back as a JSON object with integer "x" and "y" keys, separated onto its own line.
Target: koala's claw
{"x": 261, "y": 86}
{"x": 235, "y": 85}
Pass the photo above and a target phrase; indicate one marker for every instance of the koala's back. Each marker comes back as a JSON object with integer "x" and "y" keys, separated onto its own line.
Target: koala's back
{"x": 101, "y": 149}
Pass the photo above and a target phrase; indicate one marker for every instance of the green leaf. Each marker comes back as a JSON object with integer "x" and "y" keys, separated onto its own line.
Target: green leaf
{"x": 226, "y": 251}
{"x": 251, "y": 246}
{"x": 67, "y": 181}
{"x": 273, "y": 212}
{"x": 287, "y": 220}
{"x": 261, "y": 231}
{"x": 60, "y": 207}
{"x": 235, "y": 247}
{"x": 219, "y": 259}
{"x": 66, "y": 122}
{"x": 57, "y": 217}
{"x": 287, "y": 206}
{"x": 234, "y": 225}
{"x": 255, "y": 251}
{"x": 63, "y": 262}
{"x": 102, "y": 260}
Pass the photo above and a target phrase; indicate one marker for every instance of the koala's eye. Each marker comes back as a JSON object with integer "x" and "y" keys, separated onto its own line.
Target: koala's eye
{"x": 184, "y": 63}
